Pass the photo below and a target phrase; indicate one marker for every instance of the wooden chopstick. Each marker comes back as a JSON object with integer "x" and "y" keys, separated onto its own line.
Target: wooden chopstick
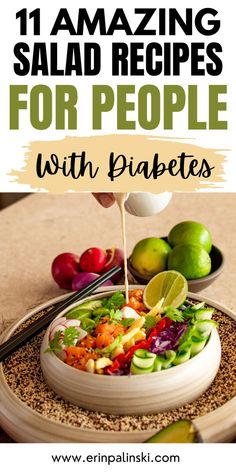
{"x": 17, "y": 340}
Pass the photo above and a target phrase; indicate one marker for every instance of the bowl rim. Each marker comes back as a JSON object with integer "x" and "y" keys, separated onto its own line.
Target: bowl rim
{"x": 110, "y": 378}
{"x": 206, "y": 278}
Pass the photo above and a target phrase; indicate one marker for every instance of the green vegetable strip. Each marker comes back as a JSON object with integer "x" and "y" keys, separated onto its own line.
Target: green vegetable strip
{"x": 164, "y": 361}
{"x": 142, "y": 362}
{"x": 197, "y": 346}
{"x": 78, "y": 313}
{"x": 182, "y": 356}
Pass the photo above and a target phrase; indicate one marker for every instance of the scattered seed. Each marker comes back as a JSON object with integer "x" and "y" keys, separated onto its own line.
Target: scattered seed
{"x": 24, "y": 376}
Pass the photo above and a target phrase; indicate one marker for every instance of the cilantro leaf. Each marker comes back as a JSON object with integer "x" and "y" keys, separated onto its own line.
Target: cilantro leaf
{"x": 150, "y": 322}
{"x": 115, "y": 315}
{"x": 66, "y": 338}
{"x": 71, "y": 335}
{"x": 115, "y": 302}
{"x": 126, "y": 322}
{"x": 55, "y": 344}
{"x": 174, "y": 314}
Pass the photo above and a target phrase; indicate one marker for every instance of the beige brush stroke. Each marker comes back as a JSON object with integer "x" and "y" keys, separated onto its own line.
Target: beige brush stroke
{"x": 98, "y": 149}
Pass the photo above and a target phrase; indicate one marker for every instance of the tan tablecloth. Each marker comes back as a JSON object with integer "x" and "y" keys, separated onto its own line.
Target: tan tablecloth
{"x": 36, "y": 229}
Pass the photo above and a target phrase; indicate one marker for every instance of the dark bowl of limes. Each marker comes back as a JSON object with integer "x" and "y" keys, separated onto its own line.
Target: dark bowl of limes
{"x": 187, "y": 249}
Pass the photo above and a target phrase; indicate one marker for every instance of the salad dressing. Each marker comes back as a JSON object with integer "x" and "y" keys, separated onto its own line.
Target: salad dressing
{"x": 121, "y": 198}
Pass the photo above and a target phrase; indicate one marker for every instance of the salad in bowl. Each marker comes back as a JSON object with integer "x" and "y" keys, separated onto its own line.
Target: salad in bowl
{"x": 107, "y": 336}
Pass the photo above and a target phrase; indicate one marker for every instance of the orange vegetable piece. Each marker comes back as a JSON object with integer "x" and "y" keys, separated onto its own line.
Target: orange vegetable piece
{"x": 78, "y": 356}
{"x": 89, "y": 342}
{"x": 138, "y": 294}
{"x": 109, "y": 328}
{"x": 103, "y": 327}
{"x": 104, "y": 340}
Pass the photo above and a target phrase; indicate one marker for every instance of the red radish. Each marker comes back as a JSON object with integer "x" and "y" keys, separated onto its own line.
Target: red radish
{"x": 84, "y": 278}
{"x": 93, "y": 260}
{"x": 64, "y": 268}
{"x": 115, "y": 256}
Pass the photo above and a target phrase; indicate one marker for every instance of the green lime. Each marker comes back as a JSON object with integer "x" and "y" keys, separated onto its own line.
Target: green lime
{"x": 191, "y": 260}
{"x": 190, "y": 232}
{"x": 170, "y": 285}
{"x": 150, "y": 256}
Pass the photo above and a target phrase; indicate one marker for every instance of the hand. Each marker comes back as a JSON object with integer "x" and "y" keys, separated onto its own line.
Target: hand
{"x": 105, "y": 199}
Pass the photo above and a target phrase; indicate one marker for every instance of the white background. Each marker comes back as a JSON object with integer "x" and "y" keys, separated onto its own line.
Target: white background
{"x": 13, "y": 141}
{"x": 193, "y": 457}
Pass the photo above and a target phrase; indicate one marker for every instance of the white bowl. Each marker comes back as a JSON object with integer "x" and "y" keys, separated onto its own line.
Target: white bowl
{"x": 24, "y": 424}
{"x": 136, "y": 394}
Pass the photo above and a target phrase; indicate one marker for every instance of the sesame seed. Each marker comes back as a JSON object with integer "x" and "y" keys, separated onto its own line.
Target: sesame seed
{"x": 24, "y": 376}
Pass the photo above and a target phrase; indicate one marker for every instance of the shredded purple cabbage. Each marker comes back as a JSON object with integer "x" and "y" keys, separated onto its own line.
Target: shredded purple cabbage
{"x": 168, "y": 338}
{"x": 124, "y": 370}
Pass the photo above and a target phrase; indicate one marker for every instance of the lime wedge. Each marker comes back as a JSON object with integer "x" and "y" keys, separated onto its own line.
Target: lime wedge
{"x": 170, "y": 285}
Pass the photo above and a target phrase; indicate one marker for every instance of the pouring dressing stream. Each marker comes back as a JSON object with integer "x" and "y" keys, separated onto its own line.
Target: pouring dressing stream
{"x": 138, "y": 204}
{"x": 120, "y": 199}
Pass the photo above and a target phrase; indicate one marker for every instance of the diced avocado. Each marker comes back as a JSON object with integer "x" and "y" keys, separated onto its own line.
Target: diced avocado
{"x": 101, "y": 312}
{"x": 92, "y": 304}
{"x": 78, "y": 313}
{"x": 182, "y": 431}
{"x": 87, "y": 324}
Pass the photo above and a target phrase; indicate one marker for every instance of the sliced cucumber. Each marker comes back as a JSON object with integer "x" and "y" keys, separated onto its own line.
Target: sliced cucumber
{"x": 142, "y": 362}
{"x": 191, "y": 309}
{"x": 143, "y": 353}
{"x": 197, "y": 345}
{"x": 182, "y": 431}
{"x": 78, "y": 313}
{"x": 204, "y": 327}
{"x": 164, "y": 361}
{"x": 169, "y": 356}
{"x": 182, "y": 356}
{"x": 138, "y": 370}
{"x": 198, "y": 306}
{"x": 185, "y": 346}
{"x": 204, "y": 314}
{"x": 186, "y": 338}
{"x": 143, "y": 359}
{"x": 157, "y": 365}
